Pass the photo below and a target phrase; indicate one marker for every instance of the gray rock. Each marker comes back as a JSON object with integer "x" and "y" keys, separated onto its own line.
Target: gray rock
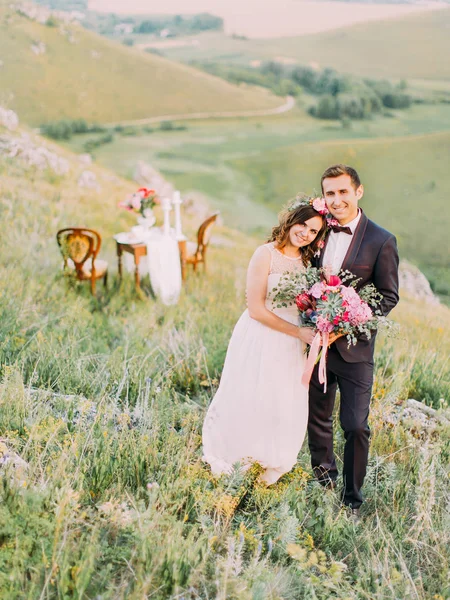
{"x": 8, "y": 119}
{"x": 12, "y": 464}
{"x": 38, "y": 48}
{"x": 417, "y": 418}
{"x": 149, "y": 177}
{"x": 414, "y": 282}
{"x": 85, "y": 159}
{"x": 88, "y": 180}
{"x": 23, "y": 148}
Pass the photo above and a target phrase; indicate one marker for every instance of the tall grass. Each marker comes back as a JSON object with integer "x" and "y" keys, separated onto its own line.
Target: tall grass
{"x": 105, "y": 398}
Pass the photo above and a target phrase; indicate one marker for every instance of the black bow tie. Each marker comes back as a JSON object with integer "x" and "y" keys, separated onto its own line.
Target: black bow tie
{"x": 340, "y": 229}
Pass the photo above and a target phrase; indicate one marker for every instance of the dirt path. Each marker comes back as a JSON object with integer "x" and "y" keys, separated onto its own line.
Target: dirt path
{"x": 288, "y": 105}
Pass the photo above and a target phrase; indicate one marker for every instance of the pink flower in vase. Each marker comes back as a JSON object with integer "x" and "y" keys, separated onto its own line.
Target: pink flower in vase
{"x": 136, "y": 200}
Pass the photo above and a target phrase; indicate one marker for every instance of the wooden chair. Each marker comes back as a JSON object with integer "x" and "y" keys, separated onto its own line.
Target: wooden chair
{"x": 80, "y": 247}
{"x": 196, "y": 252}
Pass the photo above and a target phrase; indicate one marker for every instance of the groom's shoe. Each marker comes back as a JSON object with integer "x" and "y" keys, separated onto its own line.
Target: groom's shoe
{"x": 328, "y": 483}
{"x": 354, "y": 515}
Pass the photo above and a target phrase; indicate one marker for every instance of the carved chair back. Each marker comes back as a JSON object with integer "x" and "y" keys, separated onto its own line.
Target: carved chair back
{"x": 204, "y": 234}
{"x": 79, "y": 244}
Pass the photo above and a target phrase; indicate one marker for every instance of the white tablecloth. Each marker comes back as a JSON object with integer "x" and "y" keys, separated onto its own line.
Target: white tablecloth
{"x": 162, "y": 264}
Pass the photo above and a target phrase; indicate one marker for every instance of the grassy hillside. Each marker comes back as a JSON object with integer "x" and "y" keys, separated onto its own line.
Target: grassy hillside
{"x": 381, "y": 49}
{"x": 413, "y": 47}
{"x": 84, "y": 75}
{"x": 116, "y": 501}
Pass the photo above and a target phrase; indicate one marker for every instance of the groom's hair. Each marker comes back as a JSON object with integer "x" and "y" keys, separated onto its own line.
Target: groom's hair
{"x": 338, "y": 170}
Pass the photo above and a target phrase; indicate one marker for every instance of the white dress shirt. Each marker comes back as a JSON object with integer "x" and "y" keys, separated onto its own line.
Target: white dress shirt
{"x": 337, "y": 246}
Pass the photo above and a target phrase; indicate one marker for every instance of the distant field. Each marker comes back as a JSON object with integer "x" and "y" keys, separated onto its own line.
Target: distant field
{"x": 272, "y": 18}
{"x": 84, "y": 75}
{"x": 413, "y": 47}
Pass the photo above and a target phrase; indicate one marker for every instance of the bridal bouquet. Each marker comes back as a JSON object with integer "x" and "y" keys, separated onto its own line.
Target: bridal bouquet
{"x": 329, "y": 304}
{"x": 141, "y": 201}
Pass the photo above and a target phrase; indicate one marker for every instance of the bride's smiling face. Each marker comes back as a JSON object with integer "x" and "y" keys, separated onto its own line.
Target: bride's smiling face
{"x": 301, "y": 235}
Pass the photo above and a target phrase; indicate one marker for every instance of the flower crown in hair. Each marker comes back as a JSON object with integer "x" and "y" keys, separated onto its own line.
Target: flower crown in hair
{"x": 318, "y": 204}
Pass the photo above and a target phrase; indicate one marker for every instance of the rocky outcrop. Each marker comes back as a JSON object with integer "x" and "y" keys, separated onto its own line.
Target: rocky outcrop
{"x": 149, "y": 177}
{"x": 88, "y": 180}
{"x": 414, "y": 282}
{"x": 417, "y": 418}
{"x": 12, "y": 465}
{"x": 42, "y": 14}
{"x": 33, "y": 155}
{"x": 38, "y": 48}
{"x": 9, "y": 119}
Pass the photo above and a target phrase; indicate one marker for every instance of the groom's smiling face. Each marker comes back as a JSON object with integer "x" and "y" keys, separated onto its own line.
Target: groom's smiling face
{"x": 342, "y": 198}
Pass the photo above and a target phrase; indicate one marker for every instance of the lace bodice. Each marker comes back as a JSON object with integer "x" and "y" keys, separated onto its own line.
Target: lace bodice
{"x": 280, "y": 263}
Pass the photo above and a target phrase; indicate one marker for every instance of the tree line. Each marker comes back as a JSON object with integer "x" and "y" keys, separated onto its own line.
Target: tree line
{"x": 335, "y": 95}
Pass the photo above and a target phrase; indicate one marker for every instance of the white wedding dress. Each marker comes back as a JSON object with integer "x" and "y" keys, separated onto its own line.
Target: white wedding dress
{"x": 260, "y": 410}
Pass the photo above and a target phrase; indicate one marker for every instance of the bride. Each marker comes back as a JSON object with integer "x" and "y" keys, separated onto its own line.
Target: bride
{"x": 260, "y": 411}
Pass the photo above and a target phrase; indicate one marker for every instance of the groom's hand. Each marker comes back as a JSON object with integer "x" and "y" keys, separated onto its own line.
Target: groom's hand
{"x": 333, "y": 337}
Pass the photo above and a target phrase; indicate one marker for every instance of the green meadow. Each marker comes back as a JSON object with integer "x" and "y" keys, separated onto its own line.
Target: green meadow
{"x": 104, "y": 398}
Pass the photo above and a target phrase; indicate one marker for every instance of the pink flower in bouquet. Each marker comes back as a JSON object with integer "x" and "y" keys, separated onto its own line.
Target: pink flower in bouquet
{"x": 303, "y": 302}
{"x": 360, "y": 314}
{"x": 317, "y": 289}
{"x": 324, "y": 325}
{"x": 334, "y": 281}
{"x": 350, "y": 296}
{"x": 320, "y": 206}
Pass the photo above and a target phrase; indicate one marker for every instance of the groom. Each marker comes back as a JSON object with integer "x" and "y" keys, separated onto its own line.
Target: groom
{"x": 370, "y": 253}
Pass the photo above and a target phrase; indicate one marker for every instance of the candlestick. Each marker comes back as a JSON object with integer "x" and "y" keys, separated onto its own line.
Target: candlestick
{"x": 166, "y": 206}
{"x": 177, "y": 201}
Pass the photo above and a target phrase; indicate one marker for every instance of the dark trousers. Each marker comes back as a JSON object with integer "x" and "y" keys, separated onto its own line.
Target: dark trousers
{"x": 355, "y": 386}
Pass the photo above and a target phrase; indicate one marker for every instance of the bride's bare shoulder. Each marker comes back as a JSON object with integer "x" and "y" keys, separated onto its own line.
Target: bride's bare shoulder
{"x": 265, "y": 249}
{"x": 262, "y": 256}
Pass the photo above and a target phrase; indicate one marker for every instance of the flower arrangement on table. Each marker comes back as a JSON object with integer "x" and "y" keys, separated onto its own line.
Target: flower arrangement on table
{"x": 329, "y": 304}
{"x": 141, "y": 202}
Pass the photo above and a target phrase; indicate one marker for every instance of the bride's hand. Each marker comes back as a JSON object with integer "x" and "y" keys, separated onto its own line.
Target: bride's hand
{"x": 306, "y": 334}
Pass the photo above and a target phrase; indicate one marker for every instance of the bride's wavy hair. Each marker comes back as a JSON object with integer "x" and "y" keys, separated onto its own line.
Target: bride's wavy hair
{"x": 289, "y": 217}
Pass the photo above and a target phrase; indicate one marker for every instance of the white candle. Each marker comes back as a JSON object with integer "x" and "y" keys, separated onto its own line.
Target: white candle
{"x": 166, "y": 206}
{"x": 177, "y": 201}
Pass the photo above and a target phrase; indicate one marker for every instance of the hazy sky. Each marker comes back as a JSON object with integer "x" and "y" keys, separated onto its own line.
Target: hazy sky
{"x": 267, "y": 18}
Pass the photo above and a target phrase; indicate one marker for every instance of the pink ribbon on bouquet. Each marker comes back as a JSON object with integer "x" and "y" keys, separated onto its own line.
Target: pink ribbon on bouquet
{"x": 312, "y": 359}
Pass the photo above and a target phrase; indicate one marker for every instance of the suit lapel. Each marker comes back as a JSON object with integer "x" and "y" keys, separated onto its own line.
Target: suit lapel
{"x": 357, "y": 238}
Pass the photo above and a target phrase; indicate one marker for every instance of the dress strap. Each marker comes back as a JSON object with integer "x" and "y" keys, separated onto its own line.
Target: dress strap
{"x": 271, "y": 249}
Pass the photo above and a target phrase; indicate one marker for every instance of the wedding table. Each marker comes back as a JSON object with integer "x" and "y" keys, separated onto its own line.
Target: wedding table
{"x": 165, "y": 264}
